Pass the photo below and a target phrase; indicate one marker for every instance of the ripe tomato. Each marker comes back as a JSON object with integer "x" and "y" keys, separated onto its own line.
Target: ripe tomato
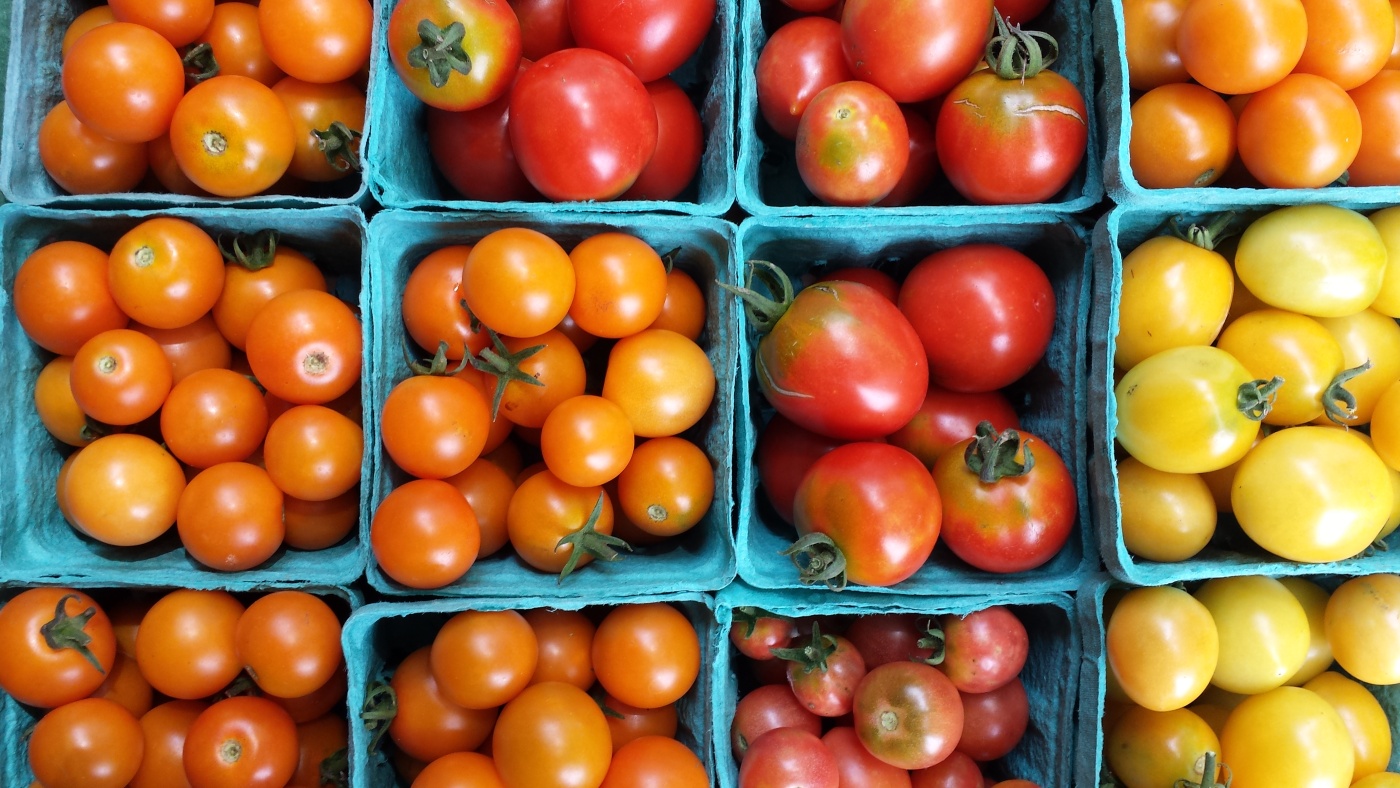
{"x": 756, "y": 633}
{"x": 1287, "y": 734}
{"x": 472, "y": 151}
{"x": 627, "y": 722}
{"x": 908, "y": 714}
{"x": 1363, "y": 628}
{"x": 587, "y": 441}
{"x": 551, "y": 734}
{"x": 947, "y": 418}
{"x": 1263, "y": 632}
{"x": 317, "y": 40}
{"x": 434, "y": 426}
{"x": 667, "y": 487}
{"x": 92, "y": 743}
{"x": 483, "y": 659}
{"x": 53, "y": 401}
{"x": 424, "y": 534}
{"x": 1363, "y": 717}
{"x": 126, "y": 687}
{"x": 236, "y": 43}
{"x": 165, "y": 273}
{"x": 784, "y": 454}
{"x": 319, "y": 741}
{"x": 488, "y": 489}
{"x": 230, "y": 517}
{"x": 653, "y": 37}
{"x": 1018, "y": 12}
{"x": 186, "y": 644}
{"x": 1242, "y": 46}
{"x": 1165, "y": 516}
{"x": 620, "y": 285}
{"x": 1147, "y": 748}
{"x": 800, "y": 60}
{"x": 123, "y": 490}
{"x": 432, "y": 305}
{"x": 314, "y": 453}
{"x": 1150, "y": 38}
{"x": 327, "y": 121}
{"x": 61, "y": 296}
{"x": 1162, "y": 647}
{"x": 316, "y": 525}
{"x": 922, "y": 169}
{"x": 192, "y": 348}
{"x": 213, "y": 416}
{"x": 81, "y": 161}
{"x": 1271, "y": 342}
{"x": 544, "y": 26}
{"x": 1175, "y": 293}
{"x": 684, "y": 309}
{"x": 244, "y": 741}
{"x": 1348, "y": 42}
{"x": 661, "y": 380}
{"x": 646, "y": 655}
{"x": 556, "y": 367}
{"x": 317, "y": 704}
{"x": 680, "y": 143}
{"x": 255, "y": 277}
{"x": 653, "y": 762}
{"x": 123, "y": 81}
{"x": 289, "y": 642}
{"x": 120, "y": 377}
{"x": 955, "y": 771}
{"x": 428, "y": 725}
{"x": 164, "y": 729}
{"x": 232, "y": 136}
{"x": 96, "y": 16}
{"x": 582, "y": 126}
{"x": 889, "y": 637}
{"x": 994, "y": 722}
{"x": 455, "y": 71}
{"x": 852, "y": 144}
{"x": 460, "y": 770}
{"x": 767, "y": 708}
{"x": 179, "y": 21}
{"x": 789, "y": 758}
{"x": 1378, "y": 102}
{"x": 1314, "y": 601}
{"x": 985, "y": 650}
{"x": 1182, "y": 135}
{"x": 873, "y": 277}
{"x": 914, "y": 51}
{"x": 305, "y": 347}
{"x": 565, "y": 639}
{"x": 62, "y": 647}
{"x": 166, "y": 171}
{"x": 1301, "y": 133}
{"x": 1367, "y": 336}
{"x": 824, "y": 673}
{"x": 518, "y": 282}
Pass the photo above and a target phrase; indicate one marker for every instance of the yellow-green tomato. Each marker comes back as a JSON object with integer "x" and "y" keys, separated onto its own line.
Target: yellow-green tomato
{"x": 1367, "y": 336}
{"x": 1317, "y": 260}
{"x": 1166, "y": 516}
{"x": 1152, "y": 749}
{"x": 1313, "y": 598}
{"x": 1287, "y": 738}
{"x": 1312, "y": 494}
{"x": 1189, "y": 410}
{"x": 1363, "y": 626}
{"x": 1379, "y": 780}
{"x": 1274, "y": 343}
{"x": 1263, "y": 632}
{"x": 1175, "y": 294}
{"x": 1162, "y": 647}
{"x": 1387, "y": 223}
{"x": 1365, "y": 720}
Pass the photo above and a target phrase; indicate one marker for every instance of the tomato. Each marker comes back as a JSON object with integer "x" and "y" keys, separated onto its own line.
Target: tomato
{"x": 123, "y": 490}
{"x": 179, "y": 21}
{"x": 824, "y": 673}
{"x": 1362, "y": 626}
{"x": 518, "y": 282}
{"x": 460, "y": 770}
{"x": 908, "y": 714}
{"x": 1182, "y": 135}
{"x": 1241, "y": 46}
{"x": 318, "y": 742}
{"x": 653, "y": 37}
{"x": 186, "y": 644}
{"x": 1301, "y": 133}
{"x": 61, "y": 296}
{"x": 684, "y": 309}
{"x": 317, "y": 40}
{"x": 316, "y": 525}
{"x": 92, "y": 743}
{"x": 120, "y": 377}
{"x": 96, "y": 16}
{"x": 1012, "y": 134}
{"x": 1150, "y": 39}
{"x": 472, "y": 150}
{"x": 1363, "y": 717}
{"x": 852, "y": 144}
{"x": 1270, "y": 342}
{"x": 1150, "y": 748}
{"x": 53, "y": 401}
{"x": 244, "y": 741}
{"x": 1175, "y": 293}
{"x": 872, "y": 277}
{"x": 627, "y": 722}
{"x": 434, "y": 426}
{"x": 457, "y": 71}
{"x": 327, "y": 121}
{"x": 481, "y": 660}
{"x": 428, "y": 725}
{"x": 922, "y": 169}
{"x": 667, "y": 486}
{"x": 565, "y": 639}
{"x": 432, "y": 305}
{"x": 661, "y": 380}
{"x": 955, "y": 771}
{"x": 232, "y": 136}
{"x": 994, "y": 722}
{"x": 1312, "y": 494}
{"x": 197, "y": 346}
{"x": 164, "y": 729}
{"x": 914, "y": 51}
{"x": 488, "y": 489}
{"x": 424, "y": 534}
{"x": 230, "y": 517}
{"x": 1165, "y": 516}
{"x": 305, "y": 347}
{"x": 800, "y": 60}
{"x": 213, "y": 416}
{"x": 984, "y": 650}
{"x": 123, "y": 81}
{"x": 289, "y": 641}
{"x": 789, "y": 758}
{"x": 646, "y": 655}
{"x": 1264, "y": 633}
{"x": 165, "y": 273}
{"x": 255, "y": 277}
{"x": 848, "y": 490}
{"x": 766, "y": 708}
{"x": 1287, "y": 734}
{"x": 582, "y": 125}
{"x": 1378, "y": 102}
{"x": 62, "y": 647}
{"x": 620, "y": 285}
{"x": 858, "y": 768}
{"x": 314, "y": 453}
{"x": 166, "y": 171}
{"x": 983, "y": 312}
{"x": 655, "y": 762}
{"x": 236, "y": 44}
{"x": 82, "y": 161}
{"x": 126, "y": 687}
{"x": 1001, "y": 514}
{"x": 756, "y": 633}
{"x": 1347, "y": 42}
{"x": 1314, "y": 601}
{"x": 1379, "y": 780}
{"x": 551, "y": 734}
{"x": 544, "y": 26}
{"x": 889, "y": 637}
{"x": 1367, "y": 336}
{"x": 587, "y": 441}
{"x": 1163, "y": 647}
{"x": 680, "y": 143}
{"x": 319, "y": 702}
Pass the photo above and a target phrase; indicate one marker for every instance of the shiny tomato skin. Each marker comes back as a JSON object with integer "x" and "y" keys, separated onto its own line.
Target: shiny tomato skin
{"x": 246, "y": 291}
{"x": 914, "y": 51}
{"x": 800, "y": 60}
{"x": 908, "y": 714}
{"x": 1018, "y": 12}
{"x": 1300, "y": 133}
{"x": 859, "y": 485}
{"x": 54, "y": 403}
{"x": 1348, "y": 41}
{"x": 165, "y": 272}
{"x": 922, "y": 169}
{"x": 305, "y": 347}
{"x": 428, "y": 725}
{"x": 123, "y": 490}
{"x": 955, "y": 771}
{"x": 96, "y": 16}
{"x": 432, "y": 304}
{"x": 241, "y": 742}
{"x": 872, "y": 277}
{"x": 518, "y": 282}
{"x": 828, "y": 690}
{"x": 120, "y": 377}
{"x": 655, "y": 762}
{"x": 314, "y": 453}
{"x": 123, "y": 81}
{"x": 647, "y": 655}
{"x": 315, "y": 108}
{"x": 491, "y": 42}
{"x": 81, "y": 161}
{"x": 1241, "y": 46}
{"x": 185, "y": 643}
{"x": 289, "y": 642}
{"x": 473, "y": 152}
{"x": 653, "y": 37}
{"x": 983, "y": 650}
{"x": 214, "y": 416}
{"x": 890, "y": 637}
{"x": 767, "y": 708}
{"x": 852, "y": 144}
{"x": 317, "y": 40}
{"x": 789, "y": 758}
{"x": 425, "y": 535}
{"x": 236, "y": 42}
{"x": 36, "y": 674}
{"x": 230, "y": 517}
{"x": 948, "y": 418}
{"x": 90, "y": 743}
{"x": 1149, "y": 32}
{"x": 1378, "y": 102}
{"x": 994, "y": 722}
{"x": 193, "y": 348}
{"x": 232, "y": 136}
{"x": 552, "y": 734}
{"x": 62, "y": 299}
{"x": 634, "y": 723}
{"x": 860, "y": 769}
{"x": 434, "y": 427}
{"x": 178, "y": 21}
{"x": 1183, "y": 136}
{"x": 164, "y": 729}
{"x": 544, "y": 26}
{"x": 582, "y": 126}
{"x": 680, "y": 142}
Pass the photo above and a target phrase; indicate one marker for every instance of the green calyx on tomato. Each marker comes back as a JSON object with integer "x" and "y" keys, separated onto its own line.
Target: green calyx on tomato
{"x": 64, "y": 631}
{"x": 253, "y": 251}
{"x": 1208, "y": 767}
{"x": 200, "y": 63}
{"x": 505, "y": 367}
{"x": 936, "y": 641}
{"x": 338, "y": 142}
{"x": 1256, "y": 398}
{"x": 440, "y": 52}
{"x": 1015, "y": 54}
{"x": 1337, "y": 393}
{"x": 993, "y": 457}
{"x": 818, "y": 560}
{"x": 1206, "y": 236}
{"x": 587, "y": 540}
{"x": 764, "y": 312}
{"x": 811, "y": 656}
{"x": 335, "y": 768}
{"x": 437, "y": 365}
{"x": 748, "y": 617}
{"x": 380, "y": 709}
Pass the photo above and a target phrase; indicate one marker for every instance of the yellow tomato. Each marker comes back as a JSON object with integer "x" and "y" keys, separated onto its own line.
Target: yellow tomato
{"x": 1385, "y": 426}
{"x": 1165, "y": 516}
{"x": 1387, "y": 222}
{"x": 1274, "y": 343}
{"x": 1367, "y": 336}
{"x": 1213, "y": 715}
{"x": 1317, "y": 260}
{"x": 1363, "y": 626}
{"x": 1287, "y": 737}
{"x": 1394, "y": 519}
{"x": 1221, "y": 482}
{"x": 1364, "y": 718}
{"x": 1380, "y": 780}
{"x": 1263, "y": 632}
{"x": 1175, "y": 293}
{"x": 1244, "y": 301}
{"x": 1313, "y": 598}
{"x": 1312, "y": 494}
{"x": 1152, "y": 749}
{"x": 1162, "y": 647}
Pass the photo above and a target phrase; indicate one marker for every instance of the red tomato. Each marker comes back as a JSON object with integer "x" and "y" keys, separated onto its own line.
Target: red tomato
{"x": 680, "y": 141}
{"x": 860, "y": 769}
{"x": 1377, "y": 161}
{"x": 914, "y": 50}
{"x": 241, "y": 742}
{"x": 1301, "y": 133}
{"x": 756, "y": 633}
{"x": 472, "y": 150}
{"x": 62, "y": 299}
{"x": 789, "y": 758}
{"x": 908, "y": 714}
{"x": 982, "y": 651}
{"x": 1018, "y": 12}
{"x": 852, "y": 144}
{"x": 544, "y": 26}
{"x": 922, "y": 169}
{"x": 983, "y": 312}
{"x": 582, "y": 126}
{"x": 800, "y": 60}
{"x": 767, "y": 708}
{"x": 824, "y": 673}
{"x": 947, "y": 418}
{"x": 469, "y": 72}
{"x": 61, "y": 647}
{"x": 1241, "y": 46}
{"x": 891, "y": 637}
{"x": 871, "y": 277}
{"x": 653, "y": 37}
{"x": 81, "y": 161}
{"x": 994, "y": 722}
{"x": 123, "y": 81}
{"x": 424, "y": 534}
{"x": 955, "y": 771}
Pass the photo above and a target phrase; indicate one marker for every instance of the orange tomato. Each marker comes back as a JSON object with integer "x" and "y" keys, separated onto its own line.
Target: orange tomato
{"x": 123, "y": 81}
{"x": 663, "y": 382}
{"x": 551, "y": 524}
{"x": 432, "y": 305}
{"x": 1377, "y": 161}
{"x": 236, "y": 42}
{"x": 316, "y": 525}
{"x": 489, "y": 490}
{"x": 255, "y": 278}
{"x": 586, "y": 441}
{"x": 684, "y": 309}
{"x": 1349, "y": 41}
{"x": 647, "y": 655}
{"x": 289, "y": 642}
{"x": 565, "y": 640}
{"x": 179, "y": 21}
{"x": 213, "y": 416}
{"x": 167, "y": 171}
{"x": 192, "y": 348}
{"x": 123, "y": 490}
{"x": 120, "y": 377}
{"x": 230, "y": 517}
{"x": 519, "y": 282}
{"x": 91, "y": 743}
{"x": 232, "y": 136}
{"x": 424, "y": 534}
{"x": 1182, "y": 135}
{"x": 53, "y": 400}
{"x": 668, "y": 486}
{"x": 305, "y": 347}
{"x": 185, "y": 645}
{"x": 126, "y": 687}
{"x": 428, "y": 725}
{"x": 556, "y": 368}
{"x": 61, "y": 296}
{"x": 552, "y": 734}
{"x": 165, "y": 273}
{"x": 81, "y": 161}
{"x": 1301, "y": 133}
{"x": 460, "y": 770}
{"x": 1150, "y": 38}
{"x": 318, "y": 740}
{"x": 314, "y": 453}
{"x": 164, "y": 728}
{"x": 1242, "y": 46}
{"x": 326, "y": 124}
{"x": 82, "y": 23}
{"x": 483, "y": 659}
{"x": 620, "y": 285}
{"x": 317, "y": 40}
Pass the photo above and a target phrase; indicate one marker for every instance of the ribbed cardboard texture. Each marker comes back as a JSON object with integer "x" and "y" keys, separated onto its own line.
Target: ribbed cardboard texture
{"x": 405, "y": 176}
{"x": 379, "y": 636}
{"x": 1050, "y": 399}
{"x": 1044, "y": 756}
{"x": 702, "y": 559}
{"x": 1231, "y": 552}
{"x": 35, "y": 40}
{"x": 768, "y": 181}
{"x": 37, "y": 545}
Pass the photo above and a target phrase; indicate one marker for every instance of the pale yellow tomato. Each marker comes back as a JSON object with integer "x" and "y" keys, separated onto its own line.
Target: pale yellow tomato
{"x": 1367, "y": 336}
{"x": 1175, "y": 293}
{"x": 1263, "y": 632}
{"x": 1317, "y": 260}
{"x": 1365, "y": 720}
{"x": 1313, "y": 598}
{"x": 1287, "y": 737}
{"x": 1363, "y": 626}
{"x": 1165, "y": 516}
{"x": 1273, "y": 343}
{"x": 1162, "y": 647}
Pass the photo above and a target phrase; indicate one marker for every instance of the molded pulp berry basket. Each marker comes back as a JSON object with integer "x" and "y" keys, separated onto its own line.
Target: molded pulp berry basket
{"x": 702, "y": 559}
{"x": 36, "y": 545}
{"x": 1050, "y": 398}
{"x": 379, "y": 636}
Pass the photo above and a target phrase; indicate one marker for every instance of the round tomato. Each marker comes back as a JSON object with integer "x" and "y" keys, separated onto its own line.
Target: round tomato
{"x": 120, "y": 377}
{"x": 434, "y": 426}
{"x": 314, "y": 453}
{"x": 922, "y": 169}
{"x": 61, "y": 296}
{"x": 1149, "y": 34}
{"x": 192, "y": 348}
{"x": 620, "y": 285}
{"x": 824, "y": 673}
{"x": 1348, "y": 41}
{"x": 1175, "y": 293}
{"x": 427, "y": 725}
{"x": 518, "y": 282}
{"x": 164, "y": 729}
{"x": 53, "y": 401}
{"x": 852, "y": 144}
{"x": 914, "y": 51}
{"x": 305, "y": 347}
{"x": 1182, "y": 135}
{"x": 908, "y": 714}
{"x": 556, "y": 527}
{"x": 319, "y": 742}
{"x": 766, "y": 708}
{"x": 123, "y": 81}
{"x": 653, "y": 762}
{"x": 318, "y": 703}
{"x": 230, "y": 517}
{"x": 123, "y": 490}
{"x": 186, "y": 643}
{"x": 582, "y": 125}
{"x": 1363, "y": 628}
{"x": 460, "y": 770}
{"x": 646, "y": 655}
{"x": 1165, "y": 516}
{"x": 800, "y": 60}
{"x": 317, "y": 40}
{"x": 244, "y": 741}
{"x": 1241, "y": 46}
{"x": 530, "y": 377}
{"x": 165, "y": 273}
{"x": 236, "y": 44}
{"x": 544, "y": 26}
{"x": 565, "y": 640}
{"x": 316, "y": 525}
{"x": 627, "y": 722}
{"x": 1287, "y": 734}
{"x": 289, "y": 642}
{"x": 92, "y": 743}
{"x": 488, "y": 489}
{"x": 858, "y": 768}
{"x": 994, "y": 722}
{"x": 232, "y": 136}
{"x": 432, "y": 305}
{"x": 1301, "y": 133}
{"x": 483, "y": 659}
{"x": 81, "y": 161}
{"x": 166, "y": 171}
{"x": 424, "y": 534}
{"x": 653, "y": 37}
{"x": 472, "y": 150}
{"x": 179, "y": 21}
{"x": 662, "y": 381}
{"x": 1263, "y": 630}
{"x": 667, "y": 486}
{"x": 455, "y": 55}
{"x": 1363, "y": 717}
{"x": 327, "y": 122}
{"x": 96, "y": 16}
{"x": 587, "y": 441}
{"x": 680, "y": 142}
{"x": 213, "y": 416}
{"x": 552, "y": 734}
{"x": 756, "y": 633}
{"x": 890, "y": 637}
{"x": 1273, "y": 343}
{"x": 684, "y": 309}
{"x": 261, "y": 269}
{"x": 789, "y": 758}
{"x": 1378, "y": 102}
{"x": 1150, "y": 748}
{"x": 784, "y": 454}
{"x": 62, "y": 647}
{"x": 955, "y": 771}
{"x": 1163, "y": 647}
{"x": 985, "y": 650}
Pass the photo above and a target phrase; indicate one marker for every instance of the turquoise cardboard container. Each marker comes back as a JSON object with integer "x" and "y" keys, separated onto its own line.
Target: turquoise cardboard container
{"x": 1044, "y": 756}
{"x": 379, "y": 636}
{"x": 1050, "y": 399}
{"x": 769, "y": 183}
{"x": 37, "y": 545}
{"x": 404, "y": 175}
{"x": 17, "y": 720}
{"x": 1231, "y": 552}
{"x": 702, "y": 559}
{"x": 1115, "y": 101}
{"x": 35, "y": 40}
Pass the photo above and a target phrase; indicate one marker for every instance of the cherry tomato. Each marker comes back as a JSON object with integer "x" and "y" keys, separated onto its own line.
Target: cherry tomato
{"x": 235, "y": 41}
{"x": 318, "y": 742}
{"x": 230, "y": 517}
{"x": 914, "y": 51}
{"x": 586, "y": 441}
{"x": 1165, "y": 516}
{"x": 62, "y": 647}
{"x": 317, "y": 40}
{"x": 1362, "y": 626}
{"x": 53, "y": 401}
{"x": 1365, "y": 720}
{"x": 1287, "y": 734}
{"x": 565, "y": 639}
{"x": 1150, "y": 39}
{"x": 475, "y": 70}
{"x": 800, "y": 60}
{"x": 166, "y": 170}
{"x": 192, "y": 348}
{"x": 61, "y": 296}
{"x": 680, "y": 143}
{"x": 557, "y": 365}
{"x": 544, "y": 26}
{"x": 316, "y": 525}
{"x": 92, "y": 743}
{"x": 314, "y": 453}
{"x": 255, "y": 278}
{"x": 653, "y": 37}
{"x": 1322, "y": 138}
{"x": 213, "y": 416}
{"x": 766, "y": 708}
{"x": 424, "y": 534}
{"x": 123, "y": 490}
{"x": 661, "y": 380}
{"x": 305, "y": 347}
{"x": 326, "y": 124}
{"x": 1348, "y": 42}
{"x": 518, "y": 282}
{"x": 1182, "y": 136}
{"x": 1017, "y": 12}
{"x": 922, "y": 169}
{"x": 165, "y": 273}
{"x": 551, "y": 734}
{"x": 789, "y": 758}
{"x": 667, "y": 486}
{"x": 434, "y": 426}
{"x": 123, "y": 81}
{"x": 955, "y": 771}
{"x": 428, "y": 725}
{"x": 1378, "y": 102}
{"x": 908, "y": 714}
{"x": 620, "y": 285}
{"x": 482, "y": 660}
{"x": 1241, "y": 46}
{"x": 824, "y": 673}
{"x": 96, "y": 16}
{"x": 243, "y": 741}
{"x": 646, "y": 655}
{"x": 1263, "y": 629}
{"x": 186, "y": 644}
{"x": 994, "y": 722}
{"x": 319, "y": 702}
{"x": 289, "y": 642}
{"x": 1175, "y": 293}
{"x": 985, "y": 650}
{"x": 472, "y": 150}
{"x": 889, "y": 637}
{"x": 1162, "y": 647}
{"x": 655, "y": 761}
{"x": 460, "y": 770}
{"x": 488, "y": 489}
{"x": 684, "y": 309}
{"x": 81, "y": 161}
{"x": 1367, "y": 336}
{"x": 432, "y": 305}
{"x": 232, "y": 136}
{"x": 1146, "y": 748}
{"x": 632, "y": 723}
{"x": 947, "y": 418}
{"x": 120, "y": 377}
{"x": 179, "y": 21}
{"x": 852, "y": 144}
{"x": 164, "y": 729}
